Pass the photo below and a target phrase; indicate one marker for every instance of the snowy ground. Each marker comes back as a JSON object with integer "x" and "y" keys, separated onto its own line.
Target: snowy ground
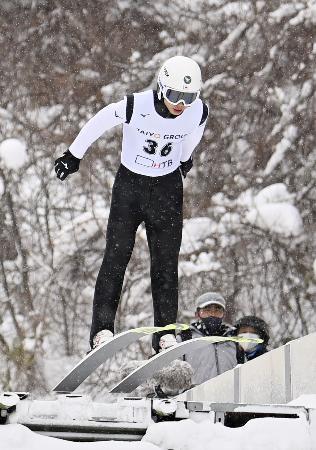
{"x": 257, "y": 434}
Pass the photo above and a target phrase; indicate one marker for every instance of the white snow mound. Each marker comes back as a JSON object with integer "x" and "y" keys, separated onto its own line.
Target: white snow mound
{"x": 281, "y": 218}
{"x": 257, "y": 434}
{"x": 18, "y": 437}
{"x": 275, "y": 193}
{"x": 194, "y": 233}
{"x": 13, "y": 153}
{"x": 273, "y": 210}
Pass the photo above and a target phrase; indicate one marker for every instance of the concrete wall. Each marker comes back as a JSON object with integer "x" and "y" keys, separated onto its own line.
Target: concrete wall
{"x": 276, "y": 377}
{"x": 303, "y": 363}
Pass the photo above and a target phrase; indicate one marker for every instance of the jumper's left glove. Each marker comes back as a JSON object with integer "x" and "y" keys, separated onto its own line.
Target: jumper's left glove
{"x": 66, "y": 164}
{"x": 186, "y": 166}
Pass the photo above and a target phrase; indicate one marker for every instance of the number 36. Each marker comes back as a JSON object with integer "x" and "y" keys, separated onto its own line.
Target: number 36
{"x": 152, "y": 148}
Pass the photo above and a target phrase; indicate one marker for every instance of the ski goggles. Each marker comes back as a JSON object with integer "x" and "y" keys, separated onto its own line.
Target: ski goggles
{"x": 176, "y": 97}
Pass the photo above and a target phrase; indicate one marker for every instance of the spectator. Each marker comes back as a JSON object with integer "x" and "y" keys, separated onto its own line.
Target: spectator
{"x": 216, "y": 358}
{"x": 253, "y": 327}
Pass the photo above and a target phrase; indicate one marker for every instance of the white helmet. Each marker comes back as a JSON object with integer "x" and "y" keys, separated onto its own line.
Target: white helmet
{"x": 179, "y": 80}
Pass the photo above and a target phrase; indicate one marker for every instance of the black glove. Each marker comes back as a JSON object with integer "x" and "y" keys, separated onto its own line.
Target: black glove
{"x": 186, "y": 166}
{"x": 66, "y": 164}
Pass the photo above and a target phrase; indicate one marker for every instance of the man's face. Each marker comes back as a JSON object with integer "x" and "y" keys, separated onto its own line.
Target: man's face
{"x": 176, "y": 110}
{"x": 212, "y": 310}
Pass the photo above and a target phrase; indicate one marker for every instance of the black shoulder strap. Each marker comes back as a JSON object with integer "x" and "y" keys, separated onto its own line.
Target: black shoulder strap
{"x": 186, "y": 335}
{"x": 129, "y": 107}
{"x": 204, "y": 114}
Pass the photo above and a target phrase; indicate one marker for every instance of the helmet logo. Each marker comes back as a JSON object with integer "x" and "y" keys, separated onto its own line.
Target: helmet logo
{"x": 187, "y": 79}
{"x": 166, "y": 72}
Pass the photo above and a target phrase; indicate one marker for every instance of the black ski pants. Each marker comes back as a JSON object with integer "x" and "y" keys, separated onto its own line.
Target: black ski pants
{"x": 156, "y": 201}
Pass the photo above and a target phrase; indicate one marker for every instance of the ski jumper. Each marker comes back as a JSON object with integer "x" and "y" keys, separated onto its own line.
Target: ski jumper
{"x": 147, "y": 188}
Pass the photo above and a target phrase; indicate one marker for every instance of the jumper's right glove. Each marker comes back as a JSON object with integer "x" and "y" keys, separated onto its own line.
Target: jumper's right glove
{"x": 186, "y": 166}
{"x": 66, "y": 164}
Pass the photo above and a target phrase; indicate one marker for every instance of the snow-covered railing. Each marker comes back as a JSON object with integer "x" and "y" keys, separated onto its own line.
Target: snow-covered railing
{"x": 78, "y": 418}
{"x": 277, "y": 377}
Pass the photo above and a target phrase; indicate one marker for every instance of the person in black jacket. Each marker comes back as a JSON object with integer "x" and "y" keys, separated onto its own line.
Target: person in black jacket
{"x": 253, "y": 327}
